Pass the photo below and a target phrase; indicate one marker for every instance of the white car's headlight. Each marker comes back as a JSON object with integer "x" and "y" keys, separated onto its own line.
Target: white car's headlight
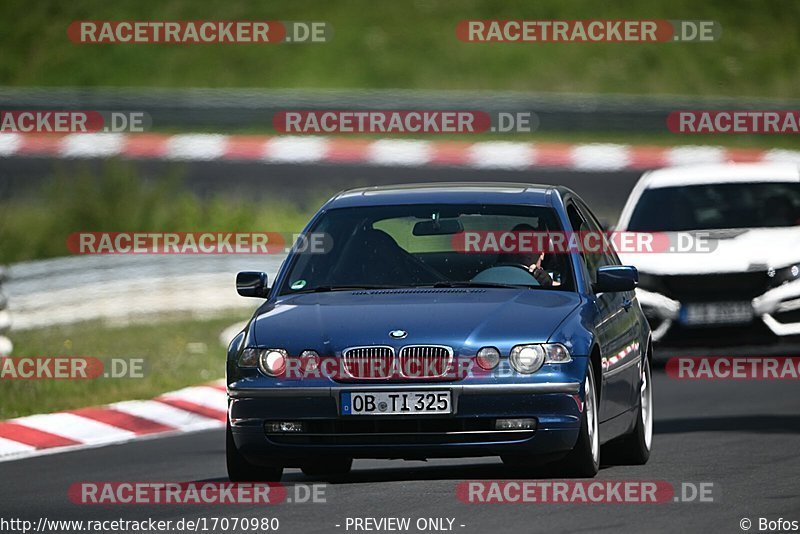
{"x": 527, "y": 359}
{"x": 785, "y": 275}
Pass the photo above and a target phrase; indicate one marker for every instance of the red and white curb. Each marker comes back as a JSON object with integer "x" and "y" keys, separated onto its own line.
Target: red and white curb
{"x": 186, "y": 410}
{"x": 384, "y": 152}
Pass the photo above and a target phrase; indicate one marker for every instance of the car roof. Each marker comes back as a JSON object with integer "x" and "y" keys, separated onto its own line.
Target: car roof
{"x": 447, "y": 193}
{"x": 721, "y": 173}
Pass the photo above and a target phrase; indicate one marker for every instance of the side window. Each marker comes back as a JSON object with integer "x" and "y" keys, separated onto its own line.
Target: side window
{"x": 578, "y": 225}
{"x": 581, "y": 223}
{"x": 609, "y": 255}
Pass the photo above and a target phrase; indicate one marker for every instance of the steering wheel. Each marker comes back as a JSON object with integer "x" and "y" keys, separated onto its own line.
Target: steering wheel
{"x": 522, "y": 266}
{"x": 506, "y": 273}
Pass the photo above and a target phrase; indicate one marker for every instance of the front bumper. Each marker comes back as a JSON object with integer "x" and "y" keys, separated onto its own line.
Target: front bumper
{"x": 778, "y": 309}
{"x": 556, "y": 407}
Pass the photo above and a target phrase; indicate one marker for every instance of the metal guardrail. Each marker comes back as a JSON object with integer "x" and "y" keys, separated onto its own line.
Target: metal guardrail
{"x": 248, "y": 108}
{"x": 5, "y": 319}
{"x": 119, "y": 289}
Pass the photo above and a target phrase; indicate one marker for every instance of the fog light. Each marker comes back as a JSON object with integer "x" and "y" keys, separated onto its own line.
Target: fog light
{"x": 310, "y": 360}
{"x": 488, "y": 358}
{"x": 515, "y": 424}
{"x": 278, "y": 427}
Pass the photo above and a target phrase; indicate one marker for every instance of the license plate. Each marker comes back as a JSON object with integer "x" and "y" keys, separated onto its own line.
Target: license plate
{"x": 716, "y": 313}
{"x": 396, "y": 402}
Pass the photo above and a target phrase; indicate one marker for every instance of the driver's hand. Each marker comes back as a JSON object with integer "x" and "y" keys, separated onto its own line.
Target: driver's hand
{"x": 540, "y": 274}
{"x": 538, "y": 264}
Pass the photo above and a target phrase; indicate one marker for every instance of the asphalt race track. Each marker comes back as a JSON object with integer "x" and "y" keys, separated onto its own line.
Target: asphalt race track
{"x": 604, "y": 191}
{"x": 744, "y": 437}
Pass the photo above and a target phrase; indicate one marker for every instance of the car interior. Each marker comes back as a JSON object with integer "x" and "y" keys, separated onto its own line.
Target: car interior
{"x": 410, "y": 251}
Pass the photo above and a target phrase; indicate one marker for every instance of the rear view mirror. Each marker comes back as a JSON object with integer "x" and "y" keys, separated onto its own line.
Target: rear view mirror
{"x": 252, "y": 284}
{"x": 611, "y": 278}
{"x": 438, "y": 227}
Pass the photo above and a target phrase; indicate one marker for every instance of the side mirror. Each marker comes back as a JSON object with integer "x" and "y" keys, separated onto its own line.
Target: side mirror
{"x": 252, "y": 284}
{"x": 611, "y": 278}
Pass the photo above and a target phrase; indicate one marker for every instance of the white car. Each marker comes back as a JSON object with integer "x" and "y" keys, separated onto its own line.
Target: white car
{"x": 747, "y": 288}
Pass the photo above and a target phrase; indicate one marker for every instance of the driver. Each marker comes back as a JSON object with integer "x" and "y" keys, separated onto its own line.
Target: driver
{"x": 532, "y": 260}
{"x": 542, "y": 276}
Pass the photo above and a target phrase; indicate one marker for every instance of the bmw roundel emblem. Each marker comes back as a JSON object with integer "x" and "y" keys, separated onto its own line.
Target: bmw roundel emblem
{"x": 398, "y": 334}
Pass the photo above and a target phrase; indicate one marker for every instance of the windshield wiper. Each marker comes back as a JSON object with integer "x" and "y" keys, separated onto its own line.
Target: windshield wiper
{"x": 442, "y": 284}
{"x": 481, "y": 284}
{"x": 325, "y": 289}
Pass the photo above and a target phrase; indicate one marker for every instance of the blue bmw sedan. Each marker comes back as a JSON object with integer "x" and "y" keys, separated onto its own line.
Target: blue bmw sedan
{"x": 432, "y": 320}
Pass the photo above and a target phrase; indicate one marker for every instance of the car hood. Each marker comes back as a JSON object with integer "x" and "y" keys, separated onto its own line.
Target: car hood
{"x": 756, "y": 249}
{"x": 465, "y": 319}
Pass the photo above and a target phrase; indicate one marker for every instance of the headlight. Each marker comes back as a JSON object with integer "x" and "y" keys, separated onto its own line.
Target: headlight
{"x": 527, "y": 359}
{"x": 488, "y": 358}
{"x": 271, "y": 362}
{"x": 785, "y": 275}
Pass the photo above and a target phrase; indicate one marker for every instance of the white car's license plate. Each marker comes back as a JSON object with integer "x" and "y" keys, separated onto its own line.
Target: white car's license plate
{"x": 396, "y": 402}
{"x": 716, "y": 313}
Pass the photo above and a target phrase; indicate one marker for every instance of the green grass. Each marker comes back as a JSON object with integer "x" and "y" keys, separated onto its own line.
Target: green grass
{"x": 117, "y": 199}
{"x": 412, "y": 45}
{"x": 169, "y": 362}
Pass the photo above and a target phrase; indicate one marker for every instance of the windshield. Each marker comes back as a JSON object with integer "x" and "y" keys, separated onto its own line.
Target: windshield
{"x": 717, "y": 206}
{"x": 418, "y": 245}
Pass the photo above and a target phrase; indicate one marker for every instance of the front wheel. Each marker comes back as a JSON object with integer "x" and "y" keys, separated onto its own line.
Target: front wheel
{"x": 240, "y": 470}
{"x": 583, "y": 461}
{"x": 634, "y": 449}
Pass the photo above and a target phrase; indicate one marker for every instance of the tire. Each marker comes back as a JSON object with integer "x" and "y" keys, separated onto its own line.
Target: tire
{"x": 327, "y": 467}
{"x": 634, "y": 448}
{"x": 240, "y": 470}
{"x": 583, "y": 461}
